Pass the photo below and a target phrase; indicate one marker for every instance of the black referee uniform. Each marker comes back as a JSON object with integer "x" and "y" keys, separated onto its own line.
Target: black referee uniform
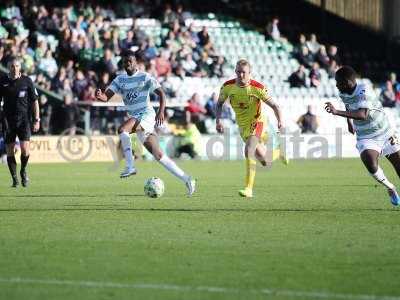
{"x": 18, "y": 96}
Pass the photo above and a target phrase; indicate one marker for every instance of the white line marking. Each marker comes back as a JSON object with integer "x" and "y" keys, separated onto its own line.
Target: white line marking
{"x": 209, "y": 289}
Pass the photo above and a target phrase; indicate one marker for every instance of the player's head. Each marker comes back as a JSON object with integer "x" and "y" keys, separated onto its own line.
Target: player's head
{"x": 129, "y": 62}
{"x": 14, "y": 67}
{"x": 242, "y": 71}
{"x": 346, "y": 79}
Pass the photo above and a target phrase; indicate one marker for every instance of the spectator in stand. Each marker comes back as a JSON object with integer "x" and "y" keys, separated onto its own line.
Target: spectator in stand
{"x": 305, "y": 58}
{"x": 298, "y": 79}
{"x": 313, "y": 45}
{"x": 168, "y": 86}
{"x": 394, "y": 82}
{"x": 169, "y": 15}
{"x": 107, "y": 63}
{"x": 273, "y": 29}
{"x": 322, "y": 58}
{"x": 388, "y": 96}
{"x": 71, "y": 114}
{"x": 104, "y": 81}
{"x": 66, "y": 88}
{"x": 129, "y": 41}
{"x": 48, "y": 64}
{"x": 204, "y": 39}
{"x": 57, "y": 82}
{"x": 189, "y": 65}
{"x": 45, "y": 114}
{"x": 300, "y": 44}
{"x": 315, "y": 75}
{"x": 217, "y": 67}
{"x": 203, "y": 66}
{"x": 182, "y": 15}
{"x": 333, "y": 54}
{"x": 308, "y": 122}
{"x": 333, "y": 67}
{"x": 211, "y": 108}
{"x": 195, "y": 112}
{"x": 89, "y": 93}
{"x": 28, "y": 63}
{"x": 151, "y": 51}
{"x": 80, "y": 83}
{"x": 162, "y": 64}
{"x": 211, "y": 105}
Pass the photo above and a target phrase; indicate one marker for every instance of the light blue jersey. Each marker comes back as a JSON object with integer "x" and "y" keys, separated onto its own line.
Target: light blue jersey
{"x": 135, "y": 91}
{"x": 377, "y": 124}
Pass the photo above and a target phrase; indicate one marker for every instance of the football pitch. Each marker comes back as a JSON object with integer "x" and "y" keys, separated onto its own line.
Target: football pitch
{"x": 316, "y": 229}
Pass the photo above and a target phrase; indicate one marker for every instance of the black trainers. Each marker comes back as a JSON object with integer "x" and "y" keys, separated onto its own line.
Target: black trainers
{"x": 24, "y": 179}
{"x": 15, "y": 182}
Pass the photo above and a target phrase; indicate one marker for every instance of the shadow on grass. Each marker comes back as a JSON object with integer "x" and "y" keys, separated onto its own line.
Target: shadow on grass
{"x": 69, "y": 196}
{"x": 205, "y": 210}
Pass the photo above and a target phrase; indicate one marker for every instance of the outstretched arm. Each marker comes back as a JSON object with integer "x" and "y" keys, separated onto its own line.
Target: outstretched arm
{"x": 160, "y": 114}
{"x": 360, "y": 114}
{"x": 104, "y": 97}
{"x": 276, "y": 110}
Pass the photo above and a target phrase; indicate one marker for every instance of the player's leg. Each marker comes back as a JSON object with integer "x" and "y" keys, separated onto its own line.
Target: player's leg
{"x": 394, "y": 159}
{"x": 250, "y": 153}
{"x": 150, "y": 141}
{"x": 124, "y": 130}
{"x": 24, "y": 145}
{"x": 370, "y": 159}
{"x": 11, "y": 161}
{"x": 392, "y": 152}
{"x": 24, "y": 136}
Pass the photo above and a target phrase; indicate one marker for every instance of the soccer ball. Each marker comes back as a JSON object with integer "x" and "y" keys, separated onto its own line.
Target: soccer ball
{"x": 154, "y": 187}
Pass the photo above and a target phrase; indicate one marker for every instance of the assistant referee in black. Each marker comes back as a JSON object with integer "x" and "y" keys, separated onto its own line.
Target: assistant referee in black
{"x": 20, "y": 115}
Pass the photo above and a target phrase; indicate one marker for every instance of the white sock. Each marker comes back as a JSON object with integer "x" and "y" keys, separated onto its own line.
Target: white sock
{"x": 172, "y": 167}
{"x": 126, "y": 148}
{"x": 381, "y": 178}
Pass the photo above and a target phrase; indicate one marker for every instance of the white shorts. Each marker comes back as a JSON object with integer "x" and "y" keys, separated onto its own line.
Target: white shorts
{"x": 147, "y": 122}
{"x": 384, "y": 145}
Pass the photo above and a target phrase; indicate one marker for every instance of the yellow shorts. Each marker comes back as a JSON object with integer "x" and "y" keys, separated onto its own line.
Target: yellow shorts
{"x": 257, "y": 129}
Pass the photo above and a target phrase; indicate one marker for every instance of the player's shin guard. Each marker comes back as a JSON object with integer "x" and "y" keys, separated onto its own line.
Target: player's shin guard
{"x": 381, "y": 178}
{"x": 12, "y": 165}
{"x": 24, "y": 162}
{"x": 173, "y": 168}
{"x": 127, "y": 148}
{"x": 250, "y": 172}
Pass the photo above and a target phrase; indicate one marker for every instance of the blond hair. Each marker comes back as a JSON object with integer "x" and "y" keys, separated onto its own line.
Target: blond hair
{"x": 242, "y": 62}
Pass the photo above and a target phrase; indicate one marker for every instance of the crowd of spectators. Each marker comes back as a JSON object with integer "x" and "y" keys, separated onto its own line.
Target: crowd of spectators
{"x": 312, "y": 56}
{"x": 390, "y": 91}
{"x": 73, "y": 50}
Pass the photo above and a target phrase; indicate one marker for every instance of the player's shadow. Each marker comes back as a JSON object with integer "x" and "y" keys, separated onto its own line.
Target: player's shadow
{"x": 66, "y": 196}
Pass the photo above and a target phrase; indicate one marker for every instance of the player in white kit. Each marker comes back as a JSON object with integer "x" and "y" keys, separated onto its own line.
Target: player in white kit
{"x": 366, "y": 118}
{"x": 135, "y": 87}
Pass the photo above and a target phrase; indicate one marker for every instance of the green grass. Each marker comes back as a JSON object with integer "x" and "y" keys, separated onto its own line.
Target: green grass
{"x": 313, "y": 227}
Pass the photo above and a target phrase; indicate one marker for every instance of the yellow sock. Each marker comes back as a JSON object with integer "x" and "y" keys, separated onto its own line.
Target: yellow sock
{"x": 276, "y": 154}
{"x": 250, "y": 173}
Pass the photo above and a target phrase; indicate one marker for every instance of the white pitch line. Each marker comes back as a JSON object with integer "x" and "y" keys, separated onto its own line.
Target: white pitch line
{"x": 209, "y": 289}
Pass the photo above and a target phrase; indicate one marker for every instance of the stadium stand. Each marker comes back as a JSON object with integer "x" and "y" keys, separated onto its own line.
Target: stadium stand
{"x": 71, "y": 51}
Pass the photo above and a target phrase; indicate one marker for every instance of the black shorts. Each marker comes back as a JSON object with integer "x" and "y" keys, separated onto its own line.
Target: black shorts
{"x": 20, "y": 129}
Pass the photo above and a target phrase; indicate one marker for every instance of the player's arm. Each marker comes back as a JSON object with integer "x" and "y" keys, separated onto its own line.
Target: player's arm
{"x": 218, "y": 113}
{"x": 267, "y": 99}
{"x": 277, "y": 111}
{"x": 104, "y": 97}
{"x": 359, "y": 114}
{"x": 350, "y": 125}
{"x": 161, "y": 109}
{"x": 34, "y": 99}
